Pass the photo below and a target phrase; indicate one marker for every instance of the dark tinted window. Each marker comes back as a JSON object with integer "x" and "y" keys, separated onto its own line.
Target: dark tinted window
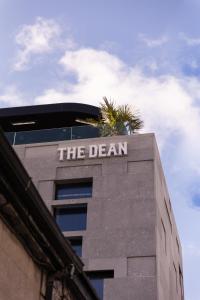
{"x": 73, "y": 190}
{"x": 72, "y": 217}
{"x": 84, "y": 132}
{"x": 97, "y": 280}
{"x": 53, "y": 134}
{"x": 42, "y": 136}
{"x": 10, "y": 136}
{"x": 76, "y": 243}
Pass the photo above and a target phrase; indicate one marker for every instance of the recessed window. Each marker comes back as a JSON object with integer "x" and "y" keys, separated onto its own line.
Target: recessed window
{"x": 71, "y": 217}
{"x": 76, "y": 243}
{"x": 97, "y": 280}
{"x": 74, "y": 190}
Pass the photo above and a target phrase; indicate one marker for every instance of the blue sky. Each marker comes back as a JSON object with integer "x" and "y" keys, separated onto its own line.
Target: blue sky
{"x": 145, "y": 53}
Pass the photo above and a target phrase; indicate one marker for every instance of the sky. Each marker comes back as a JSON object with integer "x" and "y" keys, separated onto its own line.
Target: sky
{"x": 142, "y": 52}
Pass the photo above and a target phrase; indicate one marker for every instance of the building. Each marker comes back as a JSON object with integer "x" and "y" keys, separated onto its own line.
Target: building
{"x": 108, "y": 195}
{"x": 36, "y": 262}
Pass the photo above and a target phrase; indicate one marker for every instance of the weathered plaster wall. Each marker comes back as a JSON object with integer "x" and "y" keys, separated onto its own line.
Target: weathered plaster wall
{"x": 20, "y": 278}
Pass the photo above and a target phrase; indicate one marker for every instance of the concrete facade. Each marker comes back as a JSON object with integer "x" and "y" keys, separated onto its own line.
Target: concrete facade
{"x": 130, "y": 223}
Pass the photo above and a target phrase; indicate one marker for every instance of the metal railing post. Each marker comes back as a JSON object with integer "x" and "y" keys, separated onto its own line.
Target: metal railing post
{"x": 15, "y": 133}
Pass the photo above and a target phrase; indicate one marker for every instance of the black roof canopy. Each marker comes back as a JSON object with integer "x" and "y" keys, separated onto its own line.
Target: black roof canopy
{"x": 46, "y": 116}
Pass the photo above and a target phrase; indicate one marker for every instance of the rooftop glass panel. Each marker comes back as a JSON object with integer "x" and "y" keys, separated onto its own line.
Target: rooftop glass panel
{"x": 51, "y": 135}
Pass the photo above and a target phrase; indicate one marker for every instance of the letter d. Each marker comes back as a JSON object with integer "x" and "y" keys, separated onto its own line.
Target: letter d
{"x": 93, "y": 151}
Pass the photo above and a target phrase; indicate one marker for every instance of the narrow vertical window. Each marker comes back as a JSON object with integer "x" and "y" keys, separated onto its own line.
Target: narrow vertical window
{"x": 71, "y": 217}
{"x": 76, "y": 243}
{"x": 74, "y": 190}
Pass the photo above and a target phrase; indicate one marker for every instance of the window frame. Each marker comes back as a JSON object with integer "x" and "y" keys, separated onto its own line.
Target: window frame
{"x": 71, "y": 208}
{"x": 74, "y": 182}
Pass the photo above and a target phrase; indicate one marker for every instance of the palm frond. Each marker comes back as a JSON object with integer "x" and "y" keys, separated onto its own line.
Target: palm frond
{"x": 91, "y": 121}
{"x": 108, "y": 110}
{"x": 116, "y": 120}
{"x": 124, "y": 113}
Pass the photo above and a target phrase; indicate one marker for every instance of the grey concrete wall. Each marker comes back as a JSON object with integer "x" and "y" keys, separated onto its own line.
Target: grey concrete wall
{"x": 169, "y": 254}
{"x": 123, "y": 228}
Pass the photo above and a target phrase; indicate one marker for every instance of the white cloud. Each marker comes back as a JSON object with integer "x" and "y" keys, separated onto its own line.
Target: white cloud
{"x": 11, "y": 96}
{"x": 167, "y": 106}
{"x": 39, "y": 38}
{"x": 165, "y": 102}
{"x": 152, "y": 43}
{"x": 193, "y": 250}
{"x": 190, "y": 41}
{"x": 153, "y": 65}
{"x": 53, "y": 96}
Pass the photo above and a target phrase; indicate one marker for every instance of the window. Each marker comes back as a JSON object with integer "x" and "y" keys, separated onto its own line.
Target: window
{"x": 71, "y": 217}
{"x": 52, "y": 134}
{"x": 97, "y": 280}
{"x": 76, "y": 243}
{"x": 74, "y": 190}
{"x": 42, "y": 136}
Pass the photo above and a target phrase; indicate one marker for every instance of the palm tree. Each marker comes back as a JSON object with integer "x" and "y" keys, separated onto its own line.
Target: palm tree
{"x": 116, "y": 120}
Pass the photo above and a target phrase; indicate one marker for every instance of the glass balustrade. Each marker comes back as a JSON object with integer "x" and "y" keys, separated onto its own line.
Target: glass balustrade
{"x": 51, "y": 135}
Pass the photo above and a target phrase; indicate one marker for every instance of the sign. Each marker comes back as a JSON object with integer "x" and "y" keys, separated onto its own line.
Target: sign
{"x": 93, "y": 151}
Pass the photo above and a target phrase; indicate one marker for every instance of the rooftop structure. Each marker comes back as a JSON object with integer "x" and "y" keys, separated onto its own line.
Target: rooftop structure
{"x": 45, "y": 123}
{"x": 49, "y": 116}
